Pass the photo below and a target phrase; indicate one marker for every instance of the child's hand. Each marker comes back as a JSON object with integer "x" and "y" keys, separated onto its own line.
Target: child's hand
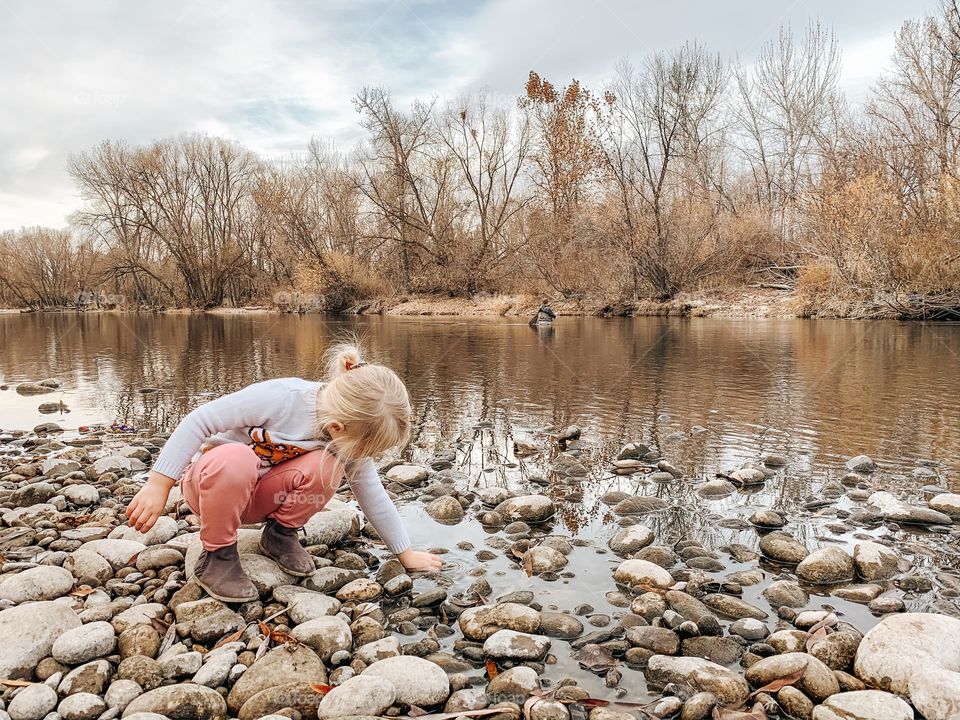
{"x": 418, "y": 560}
{"x": 147, "y": 505}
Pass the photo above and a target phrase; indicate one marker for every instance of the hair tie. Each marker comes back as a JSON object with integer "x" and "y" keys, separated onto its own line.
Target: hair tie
{"x": 354, "y": 366}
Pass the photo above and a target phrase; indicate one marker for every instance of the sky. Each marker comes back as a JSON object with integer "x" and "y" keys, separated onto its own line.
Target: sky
{"x": 271, "y": 74}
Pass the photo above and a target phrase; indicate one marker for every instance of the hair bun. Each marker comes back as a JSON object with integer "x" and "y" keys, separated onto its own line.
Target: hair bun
{"x": 343, "y": 357}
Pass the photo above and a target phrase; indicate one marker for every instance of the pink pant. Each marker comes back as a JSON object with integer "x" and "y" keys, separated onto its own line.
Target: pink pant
{"x": 224, "y": 487}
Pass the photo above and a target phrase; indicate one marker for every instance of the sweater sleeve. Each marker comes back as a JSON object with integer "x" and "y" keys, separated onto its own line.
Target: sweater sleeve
{"x": 378, "y": 507}
{"x": 249, "y": 407}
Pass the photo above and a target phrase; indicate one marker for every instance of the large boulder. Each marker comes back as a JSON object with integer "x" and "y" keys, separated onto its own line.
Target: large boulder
{"x": 278, "y": 667}
{"x": 916, "y": 655}
{"x": 27, "y": 634}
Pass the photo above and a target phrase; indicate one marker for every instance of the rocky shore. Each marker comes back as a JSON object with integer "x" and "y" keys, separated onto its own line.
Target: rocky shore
{"x": 100, "y": 621}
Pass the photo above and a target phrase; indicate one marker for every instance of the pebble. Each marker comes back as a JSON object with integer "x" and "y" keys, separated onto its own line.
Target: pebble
{"x": 828, "y": 565}
{"x": 481, "y": 622}
{"x": 636, "y": 573}
{"x": 701, "y": 675}
{"x": 631, "y": 539}
{"x": 512, "y": 645}
{"x": 81, "y": 706}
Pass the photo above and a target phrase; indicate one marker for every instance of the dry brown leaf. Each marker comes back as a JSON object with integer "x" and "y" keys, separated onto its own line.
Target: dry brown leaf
{"x": 16, "y": 683}
{"x": 264, "y": 629}
{"x": 492, "y": 670}
{"x": 232, "y": 637}
{"x": 528, "y": 565}
{"x": 159, "y": 625}
{"x": 782, "y": 682}
{"x": 320, "y": 688}
{"x": 82, "y": 591}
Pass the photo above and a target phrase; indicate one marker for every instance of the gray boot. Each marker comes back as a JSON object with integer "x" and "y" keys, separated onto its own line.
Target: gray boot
{"x": 281, "y": 544}
{"x": 219, "y": 573}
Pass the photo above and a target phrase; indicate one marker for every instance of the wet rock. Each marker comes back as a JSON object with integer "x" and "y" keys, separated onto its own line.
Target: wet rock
{"x": 748, "y": 476}
{"x": 946, "y": 503}
{"x": 788, "y": 641}
{"x": 768, "y": 519}
{"x": 658, "y": 555}
{"x": 837, "y": 650}
{"x": 113, "y": 464}
{"x": 794, "y": 703}
{"x": 529, "y": 508}
{"x": 874, "y": 561}
{"x": 32, "y": 388}
{"x": 717, "y": 488}
{"x": 863, "y": 705}
{"x": 40, "y": 583}
{"x": 330, "y": 579}
{"x": 466, "y": 699}
{"x": 417, "y": 681}
{"x": 479, "y": 623}
{"x": 33, "y": 703}
{"x": 360, "y": 590}
{"x": 81, "y": 706}
{"x": 890, "y": 508}
{"x": 84, "y": 643}
{"x": 785, "y": 593}
{"x": 446, "y": 509}
{"x": 631, "y": 539}
{"x": 541, "y": 559}
{"x": 184, "y": 702}
{"x": 686, "y": 605}
{"x": 544, "y": 709}
{"x": 649, "y": 606}
{"x": 826, "y": 566}
{"x": 699, "y": 675}
{"x": 858, "y": 593}
{"x": 516, "y": 682}
{"x": 27, "y": 634}
{"x": 861, "y": 464}
{"x": 817, "y": 682}
{"x": 723, "y": 651}
{"x": 660, "y": 641}
{"x": 324, "y": 635}
{"x": 641, "y": 573}
{"x": 780, "y": 547}
{"x": 749, "y": 629}
{"x": 512, "y": 645}
{"x": 887, "y": 604}
{"x": 566, "y": 464}
{"x": 916, "y": 655}
{"x": 409, "y": 475}
{"x": 733, "y": 607}
{"x": 640, "y": 505}
{"x": 359, "y": 695}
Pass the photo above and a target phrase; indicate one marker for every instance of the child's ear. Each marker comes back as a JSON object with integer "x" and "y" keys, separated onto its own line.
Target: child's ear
{"x": 335, "y": 426}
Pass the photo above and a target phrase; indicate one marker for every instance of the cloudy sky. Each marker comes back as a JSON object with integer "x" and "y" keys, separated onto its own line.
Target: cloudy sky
{"x": 273, "y": 73}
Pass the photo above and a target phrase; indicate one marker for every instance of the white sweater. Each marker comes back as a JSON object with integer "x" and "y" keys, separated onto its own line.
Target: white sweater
{"x": 278, "y": 419}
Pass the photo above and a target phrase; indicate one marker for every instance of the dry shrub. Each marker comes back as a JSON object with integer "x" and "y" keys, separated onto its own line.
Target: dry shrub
{"x": 342, "y": 281}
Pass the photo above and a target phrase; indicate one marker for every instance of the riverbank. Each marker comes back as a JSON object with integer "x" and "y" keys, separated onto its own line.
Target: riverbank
{"x": 527, "y": 619}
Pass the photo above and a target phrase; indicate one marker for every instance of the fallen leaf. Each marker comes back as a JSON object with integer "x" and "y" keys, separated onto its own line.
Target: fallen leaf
{"x": 415, "y": 711}
{"x": 82, "y": 591}
{"x": 782, "y": 682}
{"x": 159, "y": 625}
{"x": 264, "y": 629}
{"x": 262, "y": 650}
{"x": 591, "y": 703}
{"x": 16, "y": 683}
{"x": 528, "y": 565}
{"x": 232, "y": 637}
{"x": 492, "y": 670}
{"x": 320, "y": 688}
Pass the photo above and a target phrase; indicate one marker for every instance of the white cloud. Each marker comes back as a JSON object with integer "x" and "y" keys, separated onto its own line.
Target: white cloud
{"x": 271, "y": 73}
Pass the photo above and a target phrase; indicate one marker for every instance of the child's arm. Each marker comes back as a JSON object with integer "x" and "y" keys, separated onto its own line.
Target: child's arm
{"x": 383, "y": 515}
{"x": 245, "y": 408}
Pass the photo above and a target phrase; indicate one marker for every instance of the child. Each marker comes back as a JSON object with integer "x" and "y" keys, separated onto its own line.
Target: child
{"x": 275, "y": 452}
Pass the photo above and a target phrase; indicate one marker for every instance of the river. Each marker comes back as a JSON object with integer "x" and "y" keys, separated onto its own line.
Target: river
{"x": 708, "y": 394}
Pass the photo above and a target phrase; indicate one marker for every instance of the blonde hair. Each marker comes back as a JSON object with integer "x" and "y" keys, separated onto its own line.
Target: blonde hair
{"x": 368, "y": 400}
